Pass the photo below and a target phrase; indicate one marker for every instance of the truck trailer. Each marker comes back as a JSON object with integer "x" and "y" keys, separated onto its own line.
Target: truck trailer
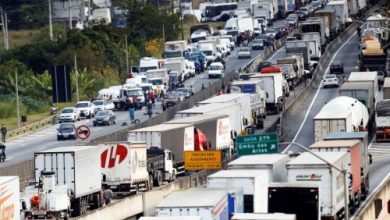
{"x": 362, "y": 91}
{"x": 9, "y": 197}
{"x": 70, "y": 167}
{"x": 307, "y": 168}
{"x": 371, "y": 77}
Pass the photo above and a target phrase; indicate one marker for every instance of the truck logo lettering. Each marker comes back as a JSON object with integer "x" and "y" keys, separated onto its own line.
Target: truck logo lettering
{"x": 110, "y": 156}
{"x": 308, "y": 177}
{"x": 6, "y": 211}
{"x": 222, "y": 128}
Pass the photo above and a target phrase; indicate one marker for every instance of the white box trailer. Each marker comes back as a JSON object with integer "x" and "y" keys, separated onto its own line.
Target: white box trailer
{"x": 268, "y": 216}
{"x": 172, "y": 218}
{"x": 275, "y": 163}
{"x": 315, "y": 49}
{"x": 253, "y": 182}
{"x": 78, "y": 167}
{"x": 366, "y": 77}
{"x": 9, "y": 197}
{"x": 341, "y": 8}
{"x": 231, "y": 109}
{"x": 215, "y": 127}
{"x": 307, "y": 168}
{"x": 210, "y": 205}
{"x": 273, "y": 85}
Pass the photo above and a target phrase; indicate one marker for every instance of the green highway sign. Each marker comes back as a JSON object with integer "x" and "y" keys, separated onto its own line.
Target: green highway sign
{"x": 265, "y": 143}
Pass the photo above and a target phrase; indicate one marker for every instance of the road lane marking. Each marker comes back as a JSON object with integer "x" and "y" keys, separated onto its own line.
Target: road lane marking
{"x": 316, "y": 94}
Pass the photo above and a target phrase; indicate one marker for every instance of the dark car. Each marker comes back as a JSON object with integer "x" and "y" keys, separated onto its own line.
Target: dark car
{"x": 188, "y": 92}
{"x": 66, "y": 131}
{"x": 266, "y": 39}
{"x": 301, "y": 15}
{"x": 263, "y": 65}
{"x": 337, "y": 68}
{"x": 174, "y": 80}
{"x": 2, "y": 153}
{"x": 173, "y": 98}
{"x": 104, "y": 118}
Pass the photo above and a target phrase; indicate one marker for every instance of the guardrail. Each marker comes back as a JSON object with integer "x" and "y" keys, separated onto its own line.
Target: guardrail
{"x": 32, "y": 127}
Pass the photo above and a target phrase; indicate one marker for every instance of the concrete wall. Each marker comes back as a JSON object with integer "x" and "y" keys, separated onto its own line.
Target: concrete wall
{"x": 382, "y": 197}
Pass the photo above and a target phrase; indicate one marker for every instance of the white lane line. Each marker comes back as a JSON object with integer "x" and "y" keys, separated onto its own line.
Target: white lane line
{"x": 278, "y": 51}
{"x": 317, "y": 92}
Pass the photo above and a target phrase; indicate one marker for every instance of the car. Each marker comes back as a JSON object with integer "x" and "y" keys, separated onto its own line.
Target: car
{"x": 268, "y": 41}
{"x": 188, "y": 92}
{"x": 86, "y": 109}
{"x": 331, "y": 80}
{"x": 103, "y": 104}
{"x": 3, "y": 156}
{"x": 173, "y": 98}
{"x": 263, "y": 65}
{"x": 337, "y": 68}
{"x": 292, "y": 19}
{"x": 301, "y": 15}
{"x": 69, "y": 114}
{"x": 257, "y": 44}
{"x": 271, "y": 32}
{"x": 216, "y": 70}
{"x": 105, "y": 117}
{"x": 66, "y": 131}
{"x": 244, "y": 52}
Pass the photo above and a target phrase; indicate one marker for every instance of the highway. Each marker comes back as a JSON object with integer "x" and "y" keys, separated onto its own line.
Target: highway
{"x": 23, "y": 148}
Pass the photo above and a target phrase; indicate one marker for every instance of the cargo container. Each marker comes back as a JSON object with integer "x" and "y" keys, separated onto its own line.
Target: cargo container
{"x": 274, "y": 163}
{"x": 330, "y": 15}
{"x": 366, "y": 77}
{"x": 340, "y": 114}
{"x": 341, "y": 8}
{"x": 299, "y": 46}
{"x": 252, "y": 105}
{"x": 362, "y": 91}
{"x": 355, "y": 6}
{"x": 233, "y": 110}
{"x": 172, "y": 218}
{"x": 175, "y": 137}
{"x": 71, "y": 165}
{"x": 363, "y": 138}
{"x": 315, "y": 48}
{"x": 235, "y": 198}
{"x": 300, "y": 198}
{"x": 253, "y": 182}
{"x": 210, "y": 205}
{"x": 319, "y": 25}
{"x": 254, "y": 216}
{"x": 297, "y": 61}
{"x": 386, "y": 88}
{"x": 216, "y": 129}
{"x": 307, "y": 168}
{"x": 353, "y": 149}
{"x": 9, "y": 197}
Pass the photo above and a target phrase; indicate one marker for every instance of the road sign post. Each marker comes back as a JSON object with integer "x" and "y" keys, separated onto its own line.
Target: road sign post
{"x": 265, "y": 143}
{"x": 203, "y": 160}
{"x": 83, "y": 132}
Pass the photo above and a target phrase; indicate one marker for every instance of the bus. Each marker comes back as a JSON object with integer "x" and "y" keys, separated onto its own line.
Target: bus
{"x": 218, "y": 12}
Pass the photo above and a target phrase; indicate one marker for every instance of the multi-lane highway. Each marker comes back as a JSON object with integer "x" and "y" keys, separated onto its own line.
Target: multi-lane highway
{"x": 22, "y": 148}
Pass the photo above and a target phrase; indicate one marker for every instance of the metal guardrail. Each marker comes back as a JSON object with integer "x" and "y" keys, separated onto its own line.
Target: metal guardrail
{"x": 32, "y": 127}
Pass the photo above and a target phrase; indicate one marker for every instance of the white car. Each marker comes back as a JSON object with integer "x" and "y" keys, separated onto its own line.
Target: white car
{"x": 331, "y": 80}
{"x": 86, "y": 108}
{"x": 103, "y": 104}
{"x": 244, "y": 52}
{"x": 69, "y": 115}
{"x": 216, "y": 70}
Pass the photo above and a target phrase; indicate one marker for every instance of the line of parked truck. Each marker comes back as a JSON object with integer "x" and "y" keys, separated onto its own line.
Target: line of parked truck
{"x": 285, "y": 187}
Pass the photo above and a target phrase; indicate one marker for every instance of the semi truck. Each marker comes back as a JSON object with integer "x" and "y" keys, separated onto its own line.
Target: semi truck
{"x": 275, "y": 164}
{"x": 330, "y": 15}
{"x": 209, "y": 204}
{"x": 174, "y": 49}
{"x": 340, "y": 114}
{"x": 298, "y": 63}
{"x": 252, "y": 105}
{"x": 341, "y": 9}
{"x": 319, "y": 25}
{"x": 148, "y": 63}
{"x": 159, "y": 78}
{"x": 253, "y": 182}
{"x": 372, "y": 56}
{"x": 363, "y": 138}
{"x": 371, "y": 77}
{"x": 70, "y": 166}
{"x": 300, "y": 198}
{"x": 9, "y": 197}
{"x": 306, "y": 168}
{"x": 314, "y": 47}
{"x": 174, "y": 137}
{"x": 177, "y": 65}
{"x": 211, "y": 131}
{"x": 354, "y": 154}
{"x": 382, "y": 119}
{"x": 233, "y": 110}
{"x": 276, "y": 88}
{"x": 299, "y": 46}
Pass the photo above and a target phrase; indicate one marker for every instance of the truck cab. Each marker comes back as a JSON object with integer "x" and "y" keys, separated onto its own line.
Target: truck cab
{"x": 148, "y": 63}
{"x": 166, "y": 160}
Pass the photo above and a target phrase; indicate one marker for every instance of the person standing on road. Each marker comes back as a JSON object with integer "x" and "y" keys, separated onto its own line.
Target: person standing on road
{"x": 3, "y": 133}
{"x": 132, "y": 107}
{"x": 150, "y": 108}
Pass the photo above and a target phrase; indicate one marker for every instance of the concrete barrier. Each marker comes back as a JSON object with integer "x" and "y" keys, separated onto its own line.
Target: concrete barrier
{"x": 377, "y": 204}
{"x": 32, "y": 127}
{"x": 25, "y": 171}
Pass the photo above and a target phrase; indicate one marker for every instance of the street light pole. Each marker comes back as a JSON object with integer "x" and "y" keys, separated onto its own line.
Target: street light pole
{"x": 344, "y": 172}
{"x": 181, "y": 21}
{"x": 50, "y": 22}
{"x": 17, "y": 99}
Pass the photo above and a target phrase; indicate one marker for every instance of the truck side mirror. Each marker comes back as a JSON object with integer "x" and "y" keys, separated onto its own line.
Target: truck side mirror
{"x": 233, "y": 134}
{"x": 245, "y": 121}
{"x": 370, "y": 158}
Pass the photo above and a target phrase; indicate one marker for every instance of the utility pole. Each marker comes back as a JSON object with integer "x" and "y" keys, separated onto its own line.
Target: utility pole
{"x": 17, "y": 99}
{"x": 6, "y": 29}
{"x": 70, "y": 15}
{"x": 50, "y": 23}
{"x": 163, "y": 30}
{"x": 181, "y": 22}
{"x": 127, "y": 56}
{"x": 77, "y": 77}
{"x": 4, "y": 26}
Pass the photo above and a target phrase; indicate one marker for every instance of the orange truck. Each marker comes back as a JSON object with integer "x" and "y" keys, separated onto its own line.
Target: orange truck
{"x": 9, "y": 198}
{"x": 353, "y": 148}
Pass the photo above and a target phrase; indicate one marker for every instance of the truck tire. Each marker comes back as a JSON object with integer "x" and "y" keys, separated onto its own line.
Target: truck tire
{"x": 150, "y": 182}
{"x": 96, "y": 201}
{"x": 158, "y": 179}
{"x": 76, "y": 207}
{"x": 84, "y": 205}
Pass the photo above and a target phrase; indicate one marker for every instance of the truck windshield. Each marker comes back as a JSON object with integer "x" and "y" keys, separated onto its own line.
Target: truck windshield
{"x": 173, "y": 54}
{"x": 133, "y": 92}
{"x": 197, "y": 39}
{"x": 146, "y": 68}
{"x": 156, "y": 82}
{"x": 383, "y": 109}
{"x": 216, "y": 67}
{"x": 208, "y": 52}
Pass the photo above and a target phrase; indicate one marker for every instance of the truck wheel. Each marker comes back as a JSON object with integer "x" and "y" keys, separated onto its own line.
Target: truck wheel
{"x": 84, "y": 206}
{"x": 76, "y": 207}
{"x": 96, "y": 201}
{"x": 158, "y": 180}
{"x": 150, "y": 182}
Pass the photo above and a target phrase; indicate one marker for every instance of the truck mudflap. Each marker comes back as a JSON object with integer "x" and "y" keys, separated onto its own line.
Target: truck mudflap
{"x": 179, "y": 166}
{"x": 364, "y": 188}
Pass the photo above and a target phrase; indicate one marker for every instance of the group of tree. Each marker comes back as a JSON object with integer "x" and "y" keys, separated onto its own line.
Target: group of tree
{"x": 99, "y": 49}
